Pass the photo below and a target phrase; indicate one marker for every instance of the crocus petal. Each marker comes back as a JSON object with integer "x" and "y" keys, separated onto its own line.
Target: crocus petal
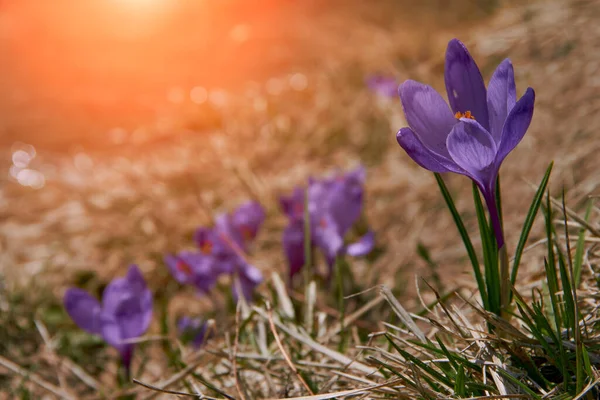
{"x": 111, "y": 330}
{"x": 248, "y": 218}
{"x": 116, "y": 291}
{"x": 427, "y": 114}
{"x": 359, "y": 174}
{"x": 248, "y": 278}
{"x": 422, "y": 155}
{"x": 135, "y": 278}
{"x": 207, "y": 271}
{"x": 363, "y": 246}
{"x": 516, "y": 125}
{"x": 200, "y": 269}
{"x": 134, "y": 315}
{"x": 228, "y": 232}
{"x": 327, "y": 238}
{"x": 293, "y": 245}
{"x": 501, "y": 97}
{"x": 473, "y": 149}
{"x": 181, "y": 271}
{"x": 293, "y": 205}
{"x": 200, "y": 336}
{"x": 207, "y": 239}
{"x": 345, "y": 201}
{"x": 319, "y": 193}
{"x": 84, "y": 310}
{"x": 194, "y": 329}
{"x": 127, "y": 302}
{"x": 464, "y": 83}
{"x": 185, "y": 323}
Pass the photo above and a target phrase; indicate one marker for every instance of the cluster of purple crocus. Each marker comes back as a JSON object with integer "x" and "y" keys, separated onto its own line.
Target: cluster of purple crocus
{"x": 125, "y": 313}
{"x": 471, "y": 136}
{"x": 334, "y": 205}
{"x": 222, "y": 249}
{"x": 126, "y": 309}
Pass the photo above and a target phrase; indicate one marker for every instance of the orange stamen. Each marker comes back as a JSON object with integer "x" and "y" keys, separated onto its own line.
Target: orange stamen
{"x": 184, "y": 267}
{"x": 246, "y": 232}
{"x": 467, "y": 114}
{"x": 206, "y": 247}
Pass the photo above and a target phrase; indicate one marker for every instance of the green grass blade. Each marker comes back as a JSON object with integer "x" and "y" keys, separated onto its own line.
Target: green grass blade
{"x": 541, "y": 329}
{"x": 550, "y": 266}
{"x": 570, "y": 323}
{"x": 420, "y": 364}
{"x": 465, "y": 238}
{"x": 341, "y": 303}
{"x": 578, "y": 262}
{"x": 571, "y": 303}
{"x": 518, "y": 383}
{"x": 459, "y": 385}
{"x": 457, "y": 357}
{"x": 587, "y": 365}
{"x": 443, "y": 347}
{"x": 406, "y": 380}
{"x": 529, "y": 219}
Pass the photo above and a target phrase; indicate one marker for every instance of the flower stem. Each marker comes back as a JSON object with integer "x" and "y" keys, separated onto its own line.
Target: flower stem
{"x": 502, "y": 252}
{"x": 339, "y": 264}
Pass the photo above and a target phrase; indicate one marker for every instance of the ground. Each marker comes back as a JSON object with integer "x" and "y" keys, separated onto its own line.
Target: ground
{"x": 130, "y": 196}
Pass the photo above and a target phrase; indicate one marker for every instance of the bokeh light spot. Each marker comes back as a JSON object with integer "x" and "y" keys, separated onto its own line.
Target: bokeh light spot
{"x": 198, "y": 95}
{"x": 31, "y": 178}
{"x": 240, "y": 33}
{"x": 21, "y": 158}
{"x": 298, "y": 82}
{"x": 274, "y": 86}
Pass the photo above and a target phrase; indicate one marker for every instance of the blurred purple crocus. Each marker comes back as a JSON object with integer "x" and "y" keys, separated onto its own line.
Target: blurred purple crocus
{"x": 125, "y": 312}
{"x": 223, "y": 250}
{"x": 193, "y": 268}
{"x": 472, "y": 136}
{"x": 385, "y": 86}
{"x": 334, "y": 206}
{"x": 193, "y": 329}
{"x": 247, "y": 220}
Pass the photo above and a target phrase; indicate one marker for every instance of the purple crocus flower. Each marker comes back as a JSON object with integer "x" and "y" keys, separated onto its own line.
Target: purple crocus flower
{"x": 193, "y": 268}
{"x": 248, "y": 278}
{"x": 385, "y": 86}
{"x": 125, "y": 312}
{"x": 236, "y": 230}
{"x": 334, "y": 206}
{"x": 223, "y": 250}
{"x": 472, "y": 136}
{"x": 247, "y": 219}
{"x": 193, "y": 329}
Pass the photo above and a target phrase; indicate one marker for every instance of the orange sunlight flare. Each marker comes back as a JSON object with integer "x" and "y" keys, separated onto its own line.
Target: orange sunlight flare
{"x": 80, "y": 69}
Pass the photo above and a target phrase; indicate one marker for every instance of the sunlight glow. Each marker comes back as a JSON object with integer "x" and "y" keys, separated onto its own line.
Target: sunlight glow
{"x": 141, "y": 3}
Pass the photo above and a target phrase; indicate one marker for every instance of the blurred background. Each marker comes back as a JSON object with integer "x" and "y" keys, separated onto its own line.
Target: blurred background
{"x": 92, "y": 72}
{"x": 125, "y": 124}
